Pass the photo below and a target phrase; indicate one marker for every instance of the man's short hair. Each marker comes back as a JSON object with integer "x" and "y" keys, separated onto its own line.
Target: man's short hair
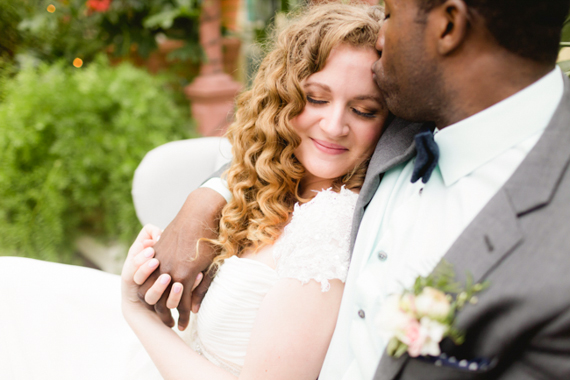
{"x": 529, "y": 28}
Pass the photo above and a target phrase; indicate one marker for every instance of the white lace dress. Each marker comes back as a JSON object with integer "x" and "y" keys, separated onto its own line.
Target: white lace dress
{"x": 315, "y": 245}
{"x": 64, "y": 322}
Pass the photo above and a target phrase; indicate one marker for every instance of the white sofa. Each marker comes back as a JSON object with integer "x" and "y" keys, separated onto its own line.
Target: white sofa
{"x": 168, "y": 173}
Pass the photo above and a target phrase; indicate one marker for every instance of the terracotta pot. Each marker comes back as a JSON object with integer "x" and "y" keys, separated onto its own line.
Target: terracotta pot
{"x": 212, "y": 93}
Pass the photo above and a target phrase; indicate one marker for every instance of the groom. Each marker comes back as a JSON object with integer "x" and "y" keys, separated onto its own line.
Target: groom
{"x": 497, "y": 204}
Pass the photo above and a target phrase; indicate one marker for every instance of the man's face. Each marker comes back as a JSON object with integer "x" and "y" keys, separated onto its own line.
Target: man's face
{"x": 407, "y": 72}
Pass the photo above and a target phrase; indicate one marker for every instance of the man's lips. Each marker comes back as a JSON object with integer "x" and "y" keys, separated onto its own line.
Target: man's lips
{"x": 329, "y": 148}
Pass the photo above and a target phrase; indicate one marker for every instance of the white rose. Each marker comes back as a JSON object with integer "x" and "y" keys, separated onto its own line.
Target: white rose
{"x": 392, "y": 320}
{"x": 432, "y": 303}
{"x": 433, "y": 332}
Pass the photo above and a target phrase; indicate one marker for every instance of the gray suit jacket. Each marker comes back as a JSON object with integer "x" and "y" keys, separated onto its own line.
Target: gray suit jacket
{"x": 520, "y": 243}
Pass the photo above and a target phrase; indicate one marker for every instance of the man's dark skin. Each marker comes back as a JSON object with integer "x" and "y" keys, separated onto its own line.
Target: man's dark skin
{"x": 444, "y": 66}
{"x": 441, "y": 65}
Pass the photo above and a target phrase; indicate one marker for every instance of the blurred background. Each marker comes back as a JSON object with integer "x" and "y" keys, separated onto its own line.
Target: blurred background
{"x": 88, "y": 87}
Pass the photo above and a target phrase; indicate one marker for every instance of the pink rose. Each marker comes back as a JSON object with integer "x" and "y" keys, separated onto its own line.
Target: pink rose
{"x": 414, "y": 338}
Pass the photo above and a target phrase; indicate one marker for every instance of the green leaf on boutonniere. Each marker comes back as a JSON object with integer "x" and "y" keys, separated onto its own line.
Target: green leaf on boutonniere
{"x": 402, "y": 349}
{"x": 442, "y": 278}
{"x": 396, "y": 348}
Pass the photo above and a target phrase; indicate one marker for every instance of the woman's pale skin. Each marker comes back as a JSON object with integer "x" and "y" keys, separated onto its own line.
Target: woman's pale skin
{"x": 339, "y": 128}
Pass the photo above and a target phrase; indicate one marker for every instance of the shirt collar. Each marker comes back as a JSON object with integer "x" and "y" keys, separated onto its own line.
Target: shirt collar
{"x": 472, "y": 142}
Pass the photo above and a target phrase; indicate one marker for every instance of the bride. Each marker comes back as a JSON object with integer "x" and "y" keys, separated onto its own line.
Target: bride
{"x": 310, "y": 122}
{"x": 301, "y": 142}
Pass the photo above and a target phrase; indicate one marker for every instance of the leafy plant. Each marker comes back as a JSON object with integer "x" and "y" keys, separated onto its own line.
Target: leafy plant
{"x": 69, "y": 144}
{"x": 55, "y": 29}
{"x": 9, "y": 20}
{"x": 51, "y": 30}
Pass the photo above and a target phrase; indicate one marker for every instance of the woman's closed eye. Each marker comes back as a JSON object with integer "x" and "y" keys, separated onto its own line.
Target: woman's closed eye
{"x": 315, "y": 101}
{"x": 366, "y": 114}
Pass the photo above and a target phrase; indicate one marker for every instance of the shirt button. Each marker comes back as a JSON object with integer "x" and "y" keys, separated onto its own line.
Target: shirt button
{"x": 361, "y": 313}
{"x": 382, "y": 256}
{"x": 421, "y": 190}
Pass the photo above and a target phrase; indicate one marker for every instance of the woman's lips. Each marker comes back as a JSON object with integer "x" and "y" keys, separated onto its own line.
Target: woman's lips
{"x": 329, "y": 148}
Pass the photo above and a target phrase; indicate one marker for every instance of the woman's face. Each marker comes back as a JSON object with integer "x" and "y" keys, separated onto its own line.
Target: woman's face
{"x": 342, "y": 120}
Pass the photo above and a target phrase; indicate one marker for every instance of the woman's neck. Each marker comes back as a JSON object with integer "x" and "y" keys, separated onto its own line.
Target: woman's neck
{"x": 309, "y": 184}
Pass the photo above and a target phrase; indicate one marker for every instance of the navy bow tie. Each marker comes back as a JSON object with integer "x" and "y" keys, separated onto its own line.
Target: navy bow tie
{"x": 427, "y": 156}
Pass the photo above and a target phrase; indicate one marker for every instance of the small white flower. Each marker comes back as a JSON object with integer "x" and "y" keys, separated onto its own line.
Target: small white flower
{"x": 392, "y": 320}
{"x": 434, "y": 333}
{"x": 432, "y": 303}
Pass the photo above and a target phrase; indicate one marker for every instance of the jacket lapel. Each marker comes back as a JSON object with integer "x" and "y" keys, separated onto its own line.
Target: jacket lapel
{"x": 396, "y": 145}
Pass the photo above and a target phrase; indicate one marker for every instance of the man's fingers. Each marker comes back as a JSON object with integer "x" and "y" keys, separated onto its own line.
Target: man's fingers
{"x": 200, "y": 291}
{"x": 185, "y": 305}
{"x": 174, "y": 296}
{"x": 144, "y": 271}
{"x": 184, "y": 310}
{"x": 163, "y": 312}
{"x": 198, "y": 280}
{"x": 157, "y": 290}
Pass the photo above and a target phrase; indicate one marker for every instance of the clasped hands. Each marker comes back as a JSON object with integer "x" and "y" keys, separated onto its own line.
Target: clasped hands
{"x": 145, "y": 288}
{"x": 172, "y": 261}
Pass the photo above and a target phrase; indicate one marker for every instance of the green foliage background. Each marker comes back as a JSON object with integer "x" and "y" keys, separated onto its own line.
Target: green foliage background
{"x": 70, "y": 140}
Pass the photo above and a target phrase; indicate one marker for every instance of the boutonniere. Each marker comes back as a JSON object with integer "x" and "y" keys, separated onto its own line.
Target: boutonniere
{"x": 417, "y": 320}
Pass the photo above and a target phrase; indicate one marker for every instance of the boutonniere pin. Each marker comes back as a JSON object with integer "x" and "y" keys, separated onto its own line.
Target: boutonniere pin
{"x": 417, "y": 320}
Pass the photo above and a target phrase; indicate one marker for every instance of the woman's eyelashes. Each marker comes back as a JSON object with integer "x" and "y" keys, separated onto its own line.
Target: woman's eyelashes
{"x": 315, "y": 101}
{"x": 362, "y": 113}
{"x": 365, "y": 114}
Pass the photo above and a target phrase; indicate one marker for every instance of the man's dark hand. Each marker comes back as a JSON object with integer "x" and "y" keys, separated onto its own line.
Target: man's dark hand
{"x": 176, "y": 252}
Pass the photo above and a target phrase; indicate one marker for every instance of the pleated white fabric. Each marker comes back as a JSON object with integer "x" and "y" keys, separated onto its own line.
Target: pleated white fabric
{"x": 222, "y": 329}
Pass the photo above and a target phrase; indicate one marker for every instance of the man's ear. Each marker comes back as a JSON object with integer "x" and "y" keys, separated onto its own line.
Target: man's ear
{"x": 451, "y": 23}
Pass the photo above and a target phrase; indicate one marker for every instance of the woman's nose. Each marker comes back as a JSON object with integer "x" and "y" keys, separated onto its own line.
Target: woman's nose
{"x": 334, "y": 122}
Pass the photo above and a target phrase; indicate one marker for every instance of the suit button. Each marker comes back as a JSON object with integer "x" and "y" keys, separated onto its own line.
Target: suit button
{"x": 382, "y": 256}
{"x": 361, "y": 313}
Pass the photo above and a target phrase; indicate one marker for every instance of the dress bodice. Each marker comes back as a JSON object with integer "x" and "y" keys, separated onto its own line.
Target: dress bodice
{"x": 313, "y": 246}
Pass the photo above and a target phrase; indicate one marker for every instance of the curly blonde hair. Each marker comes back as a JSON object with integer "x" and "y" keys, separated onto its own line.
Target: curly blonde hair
{"x": 264, "y": 175}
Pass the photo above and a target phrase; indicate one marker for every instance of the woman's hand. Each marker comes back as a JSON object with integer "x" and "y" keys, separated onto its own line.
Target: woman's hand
{"x": 139, "y": 265}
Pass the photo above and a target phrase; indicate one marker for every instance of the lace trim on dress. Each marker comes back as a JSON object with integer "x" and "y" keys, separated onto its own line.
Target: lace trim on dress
{"x": 315, "y": 245}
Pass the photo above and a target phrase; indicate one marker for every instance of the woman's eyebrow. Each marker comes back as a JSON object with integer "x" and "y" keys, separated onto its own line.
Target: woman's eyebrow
{"x": 368, "y": 97}
{"x": 317, "y": 84}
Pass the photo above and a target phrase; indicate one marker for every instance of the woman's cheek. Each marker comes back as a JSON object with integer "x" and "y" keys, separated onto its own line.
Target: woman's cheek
{"x": 305, "y": 119}
{"x": 371, "y": 135}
